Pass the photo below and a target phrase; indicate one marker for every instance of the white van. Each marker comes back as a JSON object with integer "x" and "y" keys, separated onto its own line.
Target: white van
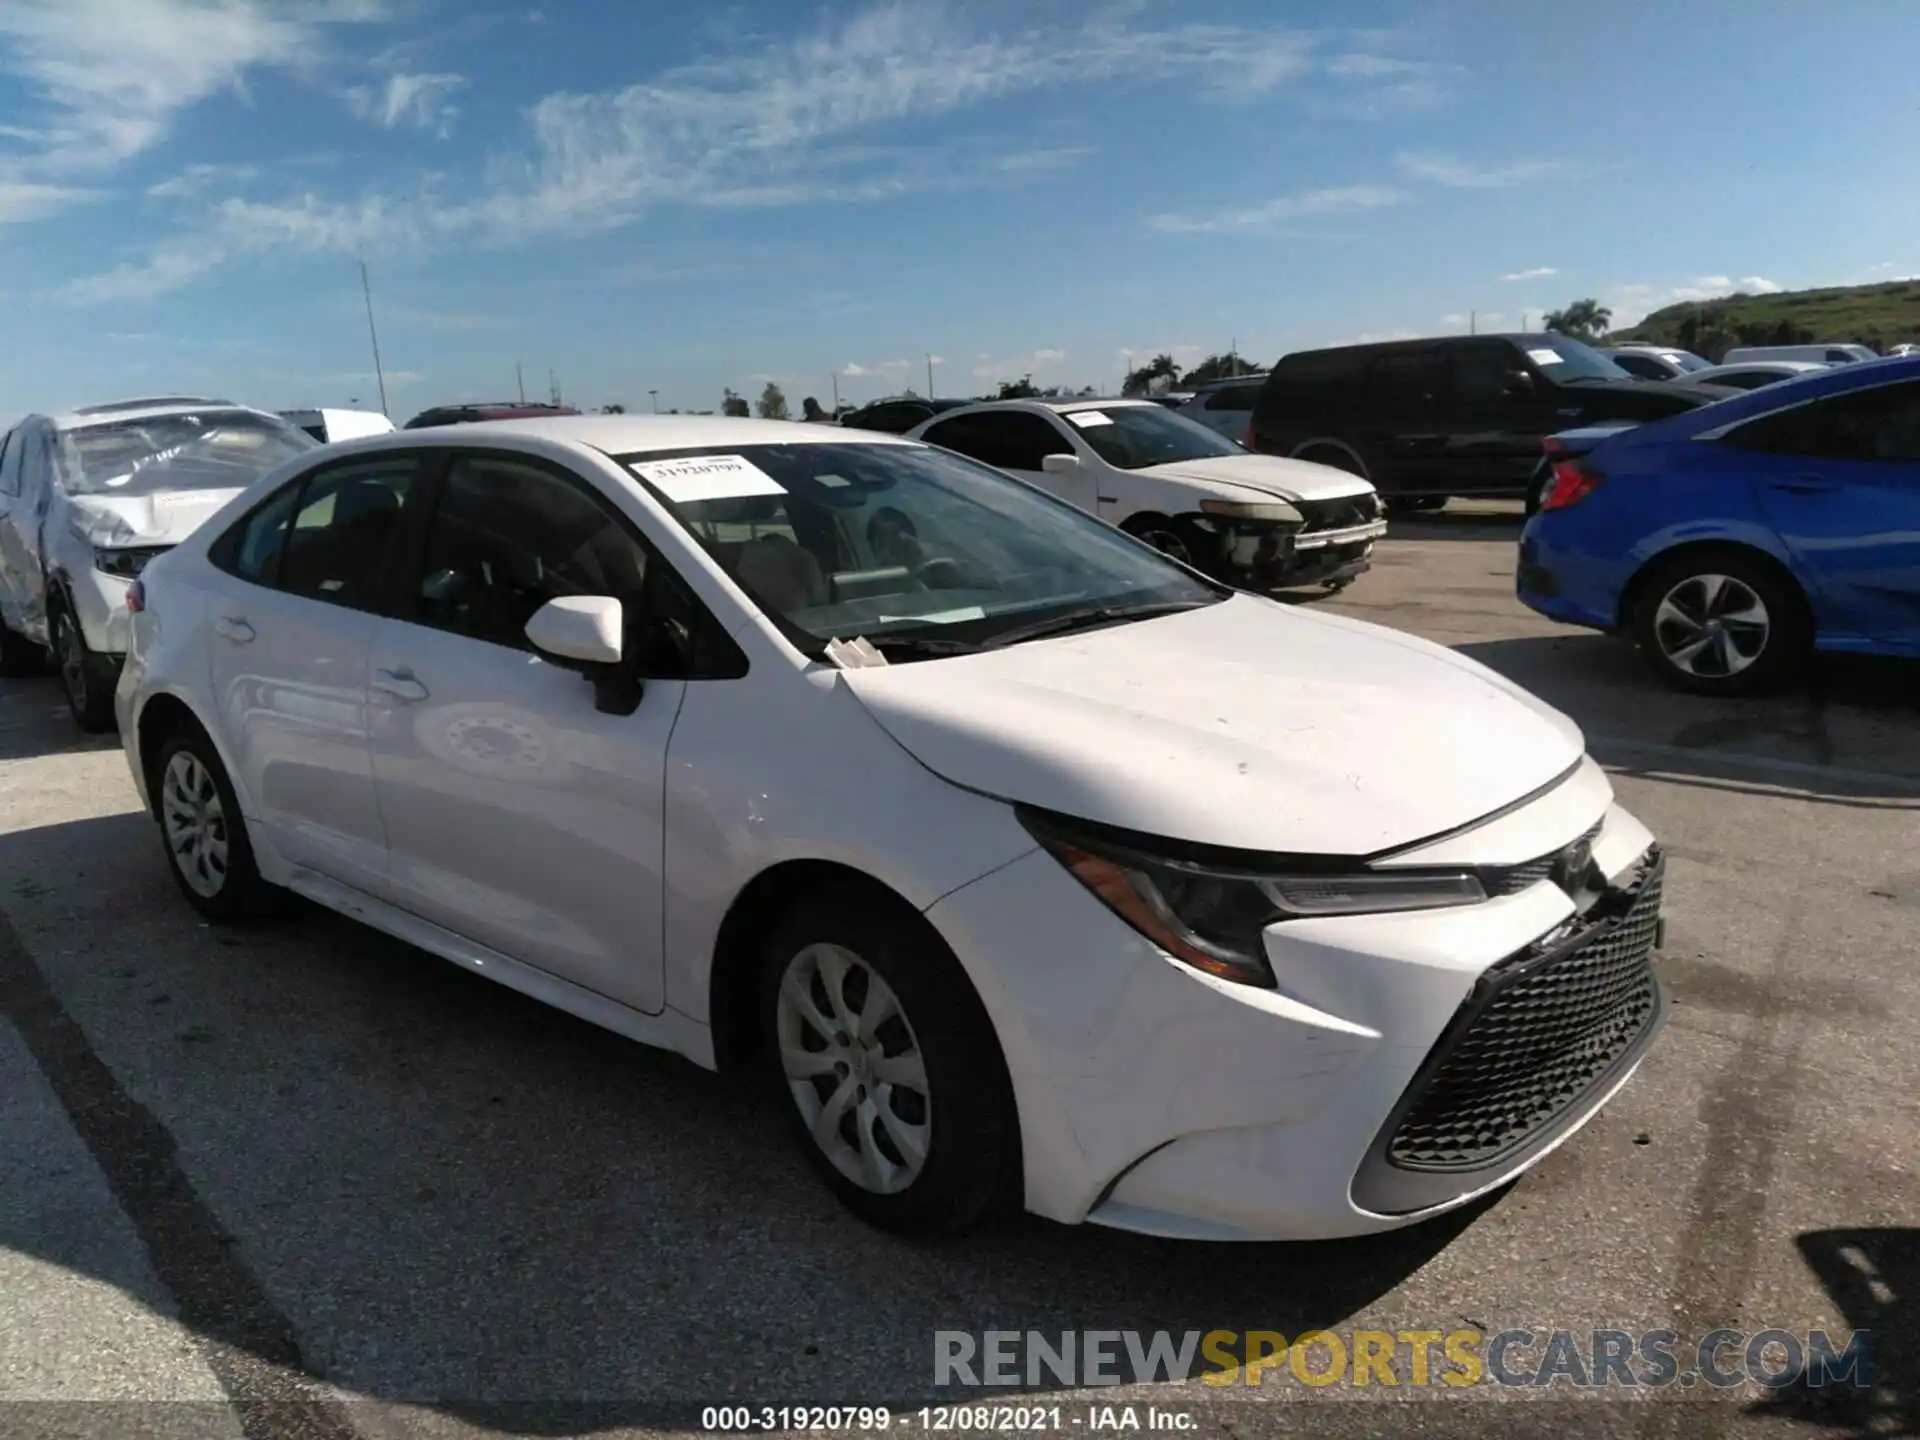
{"x": 1830, "y": 354}
{"x": 327, "y": 426}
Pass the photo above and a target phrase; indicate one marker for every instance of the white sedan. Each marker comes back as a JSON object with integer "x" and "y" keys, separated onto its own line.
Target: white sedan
{"x": 1023, "y": 863}
{"x": 1259, "y": 521}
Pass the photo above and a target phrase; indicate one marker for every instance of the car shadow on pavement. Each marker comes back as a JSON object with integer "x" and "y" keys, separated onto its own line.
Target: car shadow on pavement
{"x": 1462, "y": 520}
{"x": 352, "y": 1161}
{"x": 1844, "y": 736}
{"x": 1873, "y": 1276}
{"x": 34, "y": 721}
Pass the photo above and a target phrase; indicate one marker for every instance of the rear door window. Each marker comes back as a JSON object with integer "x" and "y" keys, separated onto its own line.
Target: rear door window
{"x": 1879, "y": 424}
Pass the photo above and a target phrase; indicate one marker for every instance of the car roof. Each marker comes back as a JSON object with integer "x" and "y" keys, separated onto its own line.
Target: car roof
{"x": 628, "y": 434}
{"x": 83, "y": 416}
{"x": 1787, "y": 367}
{"x": 1743, "y": 405}
{"x": 1055, "y": 406}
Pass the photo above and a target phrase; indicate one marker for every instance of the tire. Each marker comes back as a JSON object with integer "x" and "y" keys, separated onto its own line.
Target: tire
{"x": 1405, "y": 505}
{"x": 204, "y": 835}
{"x": 1431, "y": 504}
{"x": 1165, "y": 536}
{"x": 1334, "y": 459}
{"x": 1747, "y": 623}
{"x": 18, "y": 655}
{"x": 87, "y": 678}
{"x": 928, "y": 1141}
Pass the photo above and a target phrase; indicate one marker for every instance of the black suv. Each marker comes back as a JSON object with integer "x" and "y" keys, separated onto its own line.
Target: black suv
{"x": 896, "y": 417}
{"x": 1459, "y": 415}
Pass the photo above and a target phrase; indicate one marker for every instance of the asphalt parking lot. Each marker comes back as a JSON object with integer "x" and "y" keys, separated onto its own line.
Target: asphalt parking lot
{"x": 309, "y": 1181}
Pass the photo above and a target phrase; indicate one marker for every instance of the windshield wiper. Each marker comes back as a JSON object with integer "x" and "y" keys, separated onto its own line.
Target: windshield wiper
{"x": 1089, "y": 620}
{"x": 920, "y": 647}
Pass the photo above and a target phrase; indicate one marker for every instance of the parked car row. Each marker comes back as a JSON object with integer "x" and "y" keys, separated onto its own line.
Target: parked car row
{"x": 1022, "y": 863}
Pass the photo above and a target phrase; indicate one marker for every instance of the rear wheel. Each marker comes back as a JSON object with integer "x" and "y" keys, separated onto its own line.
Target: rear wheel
{"x": 208, "y": 852}
{"x": 1719, "y": 622}
{"x": 886, "y": 1065}
{"x": 87, "y": 677}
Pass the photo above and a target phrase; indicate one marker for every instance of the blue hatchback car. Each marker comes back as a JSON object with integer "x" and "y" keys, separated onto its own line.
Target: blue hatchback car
{"x": 1735, "y": 540}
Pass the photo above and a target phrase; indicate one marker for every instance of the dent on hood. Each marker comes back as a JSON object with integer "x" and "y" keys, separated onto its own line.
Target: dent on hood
{"x": 108, "y": 523}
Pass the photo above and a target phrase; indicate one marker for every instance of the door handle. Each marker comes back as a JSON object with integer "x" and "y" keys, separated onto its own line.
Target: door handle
{"x": 399, "y": 684}
{"x": 1803, "y": 485}
{"x": 232, "y": 627}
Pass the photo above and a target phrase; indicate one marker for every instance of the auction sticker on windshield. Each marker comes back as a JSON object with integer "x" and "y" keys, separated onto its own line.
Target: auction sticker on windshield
{"x": 1087, "y": 419}
{"x": 1544, "y": 357}
{"x": 707, "y": 477}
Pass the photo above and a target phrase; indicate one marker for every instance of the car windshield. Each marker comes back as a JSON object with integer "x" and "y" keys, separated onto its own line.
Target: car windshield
{"x": 1564, "y": 361}
{"x": 1132, "y": 437}
{"x": 207, "y": 450}
{"x": 906, "y": 545}
{"x": 1691, "y": 362}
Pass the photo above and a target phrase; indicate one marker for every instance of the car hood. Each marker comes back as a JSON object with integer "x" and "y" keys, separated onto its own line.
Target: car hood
{"x": 1268, "y": 474}
{"x": 165, "y": 518}
{"x": 1247, "y": 724}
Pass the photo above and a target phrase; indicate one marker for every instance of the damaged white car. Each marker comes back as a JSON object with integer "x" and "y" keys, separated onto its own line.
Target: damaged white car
{"x": 87, "y": 498}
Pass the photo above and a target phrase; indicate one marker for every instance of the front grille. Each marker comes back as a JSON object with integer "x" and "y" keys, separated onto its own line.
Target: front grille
{"x": 1340, "y": 514}
{"x": 1515, "y": 878}
{"x": 1537, "y": 1035}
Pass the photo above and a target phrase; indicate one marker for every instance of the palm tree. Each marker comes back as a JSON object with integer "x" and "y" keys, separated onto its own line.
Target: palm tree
{"x": 1583, "y": 320}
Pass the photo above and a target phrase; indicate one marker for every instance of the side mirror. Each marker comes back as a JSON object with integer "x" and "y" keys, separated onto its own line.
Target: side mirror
{"x": 585, "y": 633}
{"x": 1519, "y": 383}
{"x": 582, "y": 628}
{"x": 1059, "y": 464}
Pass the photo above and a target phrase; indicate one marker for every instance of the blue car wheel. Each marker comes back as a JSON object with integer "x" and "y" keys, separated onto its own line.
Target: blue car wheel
{"x": 1720, "y": 621}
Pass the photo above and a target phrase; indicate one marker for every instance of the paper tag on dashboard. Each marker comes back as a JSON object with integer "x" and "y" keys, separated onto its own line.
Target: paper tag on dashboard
{"x": 1544, "y": 357}
{"x": 1087, "y": 419}
{"x": 707, "y": 477}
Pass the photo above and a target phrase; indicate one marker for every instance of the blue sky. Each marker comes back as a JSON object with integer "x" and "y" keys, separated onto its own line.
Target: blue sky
{"x": 638, "y": 196}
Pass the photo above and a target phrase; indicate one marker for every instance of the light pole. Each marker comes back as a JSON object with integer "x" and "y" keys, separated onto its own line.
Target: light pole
{"x": 930, "y": 375}
{"x": 373, "y": 334}
{"x": 654, "y": 395}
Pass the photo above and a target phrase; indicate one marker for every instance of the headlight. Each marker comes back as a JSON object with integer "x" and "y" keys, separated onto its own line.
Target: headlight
{"x": 1269, "y": 512}
{"x": 125, "y": 563}
{"x": 1211, "y": 916}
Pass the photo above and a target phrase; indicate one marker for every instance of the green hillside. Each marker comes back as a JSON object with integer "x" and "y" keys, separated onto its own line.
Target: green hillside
{"x": 1876, "y": 315}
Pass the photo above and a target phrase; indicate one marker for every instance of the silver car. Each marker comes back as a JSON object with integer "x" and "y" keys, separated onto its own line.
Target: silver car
{"x": 87, "y": 498}
{"x": 1226, "y": 406}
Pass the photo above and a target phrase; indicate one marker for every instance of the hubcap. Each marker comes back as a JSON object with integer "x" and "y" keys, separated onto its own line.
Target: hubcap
{"x": 1712, "y": 626}
{"x": 195, "y": 823}
{"x": 1168, "y": 543}
{"x": 853, "y": 1066}
{"x": 73, "y": 662}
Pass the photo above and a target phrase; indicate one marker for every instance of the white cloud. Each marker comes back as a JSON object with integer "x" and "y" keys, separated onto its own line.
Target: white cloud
{"x": 23, "y": 200}
{"x": 1539, "y": 272}
{"x": 879, "y": 369}
{"x": 1334, "y": 201}
{"x": 1459, "y": 175}
{"x": 757, "y": 127}
{"x": 240, "y": 228}
{"x": 423, "y": 102}
{"x": 770, "y": 123}
{"x": 1631, "y": 303}
{"x": 196, "y": 180}
{"x": 108, "y": 76}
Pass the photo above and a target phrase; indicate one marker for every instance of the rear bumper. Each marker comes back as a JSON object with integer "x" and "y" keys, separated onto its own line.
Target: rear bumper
{"x": 1542, "y": 582}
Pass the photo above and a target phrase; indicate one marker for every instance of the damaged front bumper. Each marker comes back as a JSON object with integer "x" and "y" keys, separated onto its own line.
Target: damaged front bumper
{"x": 1278, "y": 558}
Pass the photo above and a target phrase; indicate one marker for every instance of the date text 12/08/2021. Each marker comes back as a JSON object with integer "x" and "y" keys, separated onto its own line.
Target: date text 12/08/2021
{"x": 942, "y": 1419}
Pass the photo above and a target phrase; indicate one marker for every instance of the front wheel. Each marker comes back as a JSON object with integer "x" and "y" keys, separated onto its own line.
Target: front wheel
{"x": 886, "y": 1065}
{"x": 18, "y": 655}
{"x": 87, "y": 677}
{"x": 1722, "y": 623}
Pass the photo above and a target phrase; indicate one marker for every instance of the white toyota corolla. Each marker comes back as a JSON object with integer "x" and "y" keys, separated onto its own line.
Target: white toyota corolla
{"x": 1029, "y": 864}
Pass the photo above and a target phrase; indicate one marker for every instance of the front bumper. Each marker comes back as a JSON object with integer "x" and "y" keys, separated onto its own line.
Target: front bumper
{"x": 100, "y": 601}
{"x": 1279, "y": 560}
{"x": 1157, "y": 1099}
